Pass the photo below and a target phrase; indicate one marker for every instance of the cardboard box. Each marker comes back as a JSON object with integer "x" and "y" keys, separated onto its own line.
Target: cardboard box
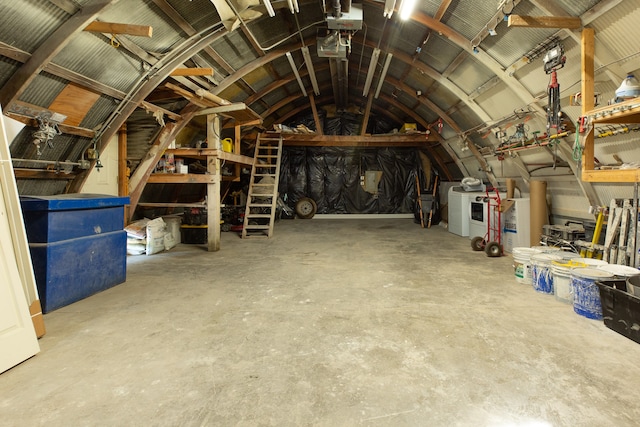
{"x": 36, "y": 317}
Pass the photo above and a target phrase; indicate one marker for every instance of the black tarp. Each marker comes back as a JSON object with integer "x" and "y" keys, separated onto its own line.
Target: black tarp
{"x": 331, "y": 177}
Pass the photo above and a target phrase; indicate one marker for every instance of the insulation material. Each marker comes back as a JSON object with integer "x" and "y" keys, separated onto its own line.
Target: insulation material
{"x": 538, "y": 212}
{"x": 331, "y": 176}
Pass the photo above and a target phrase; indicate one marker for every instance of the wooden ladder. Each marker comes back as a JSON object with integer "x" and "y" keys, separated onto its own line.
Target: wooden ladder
{"x": 260, "y": 212}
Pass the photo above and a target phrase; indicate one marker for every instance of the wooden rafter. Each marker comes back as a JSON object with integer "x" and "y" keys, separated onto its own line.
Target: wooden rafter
{"x": 115, "y": 28}
{"x": 569, "y": 22}
{"x": 52, "y": 45}
{"x": 192, "y": 72}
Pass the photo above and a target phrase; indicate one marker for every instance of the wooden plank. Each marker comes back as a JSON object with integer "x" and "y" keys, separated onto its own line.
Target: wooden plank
{"x": 172, "y": 205}
{"x": 365, "y": 116}
{"x": 115, "y": 28}
{"x": 25, "y": 113}
{"x": 611, "y": 175}
{"x": 74, "y": 102}
{"x": 192, "y": 72}
{"x": 181, "y": 178}
{"x": 569, "y": 22}
{"x": 213, "y": 189}
{"x": 26, "y": 173}
{"x": 202, "y": 153}
{"x": 397, "y": 140}
{"x": 316, "y": 118}
{"x": 51, "y": 46}
{"x": 123, "y": 175}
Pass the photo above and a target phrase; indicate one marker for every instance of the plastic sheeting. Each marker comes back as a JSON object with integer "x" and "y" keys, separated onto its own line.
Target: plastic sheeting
{"x": 331, "y": 176}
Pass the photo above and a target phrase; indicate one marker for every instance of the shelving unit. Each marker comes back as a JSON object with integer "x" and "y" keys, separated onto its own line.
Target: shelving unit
{"x": 212, "y": 157}
{"x": 620, "y": 113}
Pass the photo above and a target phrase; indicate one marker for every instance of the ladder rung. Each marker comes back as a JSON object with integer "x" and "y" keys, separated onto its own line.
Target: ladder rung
{"x": 259, "y": 205}
{"x": 265, "y": 174}
{"x": 257, "y": 184}
{"x": 261, "y": 195}
{"x": 257, "y": 227}
{"x": 259, "y": 216}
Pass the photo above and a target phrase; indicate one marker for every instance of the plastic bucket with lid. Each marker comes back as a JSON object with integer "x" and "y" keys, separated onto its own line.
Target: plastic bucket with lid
{"x": 522, "y": 263}
{"x": 591, "y": 262}
{"x": 586, "y": 295}
{"x": 562, "y": 279}
{"x": 541, "y": 274}
{"x": 619, "y": 271}
{"x": 633, "y": 285}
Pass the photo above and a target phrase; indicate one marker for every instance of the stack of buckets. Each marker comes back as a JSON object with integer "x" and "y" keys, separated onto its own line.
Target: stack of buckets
{"x": 567, "y": 276}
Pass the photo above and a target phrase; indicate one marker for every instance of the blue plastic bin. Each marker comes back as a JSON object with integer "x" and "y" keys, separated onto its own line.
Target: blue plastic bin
{"x": 77, "y": 243}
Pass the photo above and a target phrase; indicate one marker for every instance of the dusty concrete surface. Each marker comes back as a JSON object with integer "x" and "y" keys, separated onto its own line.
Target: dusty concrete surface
{"x": 331, "y": 323}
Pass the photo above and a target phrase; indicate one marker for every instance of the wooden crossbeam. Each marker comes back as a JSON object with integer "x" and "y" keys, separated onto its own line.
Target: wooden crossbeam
{"x": 192, "y": 72}
{"x": 569, "y": 22}
{"x": 114, "y": 28}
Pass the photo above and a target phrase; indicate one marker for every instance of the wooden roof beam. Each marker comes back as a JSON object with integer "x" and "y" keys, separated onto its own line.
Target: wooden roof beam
{"x": 115, "y": 28}
{"x": 192, "y": 72}
{"x": 569, "y": 22}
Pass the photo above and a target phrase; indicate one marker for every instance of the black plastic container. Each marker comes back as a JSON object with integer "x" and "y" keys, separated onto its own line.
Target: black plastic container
{"x": 621, "y": 310}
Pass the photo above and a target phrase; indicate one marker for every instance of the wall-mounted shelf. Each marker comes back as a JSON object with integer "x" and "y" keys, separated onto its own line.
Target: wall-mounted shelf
{"x": 623, "y": 112}
{"x": 204, "y": 153}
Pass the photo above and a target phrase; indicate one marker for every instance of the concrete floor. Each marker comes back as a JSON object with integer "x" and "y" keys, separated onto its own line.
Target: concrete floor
{"x": 330, "y": 323}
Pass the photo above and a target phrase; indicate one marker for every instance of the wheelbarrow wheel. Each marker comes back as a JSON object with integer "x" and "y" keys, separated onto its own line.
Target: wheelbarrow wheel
{"x": 493, "y": 249}
{"x": 306, "y": 208}
{"x": 477, "y": 243}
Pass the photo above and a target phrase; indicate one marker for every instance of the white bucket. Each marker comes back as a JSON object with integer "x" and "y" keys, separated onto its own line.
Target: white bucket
{"x": 541, "y": 274}
{"x": 620, "y": 271}
{"x": 522, "y": 264}
{"x": 586, "y": 294}
{"x": 591, "y": 262}
{"x": 562, "y": 279}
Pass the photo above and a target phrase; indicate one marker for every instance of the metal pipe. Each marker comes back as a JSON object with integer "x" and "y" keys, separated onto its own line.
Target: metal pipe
{"x": 47, "y": 162}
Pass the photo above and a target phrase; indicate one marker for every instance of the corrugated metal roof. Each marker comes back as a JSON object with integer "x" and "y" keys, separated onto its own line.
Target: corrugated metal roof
{"x": 470, "y": 75}
{"x": 616, "y": 28}
{"x": 43, "y": 90}
{"x": 577, "y": 7}
{"x": 468, "y": 17}
{"x": 200, "y": 14}
{"x": 439, "y": 52}
{"x": 18, "y": 15}
{"x": 142, "y": 12}
{"x": 93, "y": 55}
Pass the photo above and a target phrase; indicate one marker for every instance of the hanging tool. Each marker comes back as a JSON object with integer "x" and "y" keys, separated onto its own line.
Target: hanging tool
{"x": 554, "y": 59}
{"x": 433, "y": 199}
{"x": 419, "y": 202}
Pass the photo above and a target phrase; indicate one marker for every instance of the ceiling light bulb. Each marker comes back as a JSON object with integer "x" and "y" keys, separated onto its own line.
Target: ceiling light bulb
{"x": 406, "y": 8}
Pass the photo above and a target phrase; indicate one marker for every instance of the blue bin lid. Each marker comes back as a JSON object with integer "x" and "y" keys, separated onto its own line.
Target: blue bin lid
{"x": 71, "y": 201}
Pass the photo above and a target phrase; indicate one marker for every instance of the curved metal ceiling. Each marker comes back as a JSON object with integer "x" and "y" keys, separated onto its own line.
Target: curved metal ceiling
{"x": 430, "y": 62}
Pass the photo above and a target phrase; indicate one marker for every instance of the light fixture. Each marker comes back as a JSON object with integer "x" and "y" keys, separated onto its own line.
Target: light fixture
{"x": 293, "y": 6}
{"x": 295, "y": 72}
{"x": 492, "y": 32}
{"x": 406, "y": 8}
{"x": 269, "y": 7}
{"x": 312, "y": 73}
{"x": 383, "y": 74}
{"x": 475, "y": 49}
{"x": 388, "y": 8}
{"x": 372, "y": 68}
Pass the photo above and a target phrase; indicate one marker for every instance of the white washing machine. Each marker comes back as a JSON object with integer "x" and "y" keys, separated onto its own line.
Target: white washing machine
{"x": 459, "y": 204}
{"x": 479, "y": 215}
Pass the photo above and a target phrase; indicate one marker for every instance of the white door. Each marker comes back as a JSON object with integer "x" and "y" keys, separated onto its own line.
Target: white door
{"x": 18, "y": 340}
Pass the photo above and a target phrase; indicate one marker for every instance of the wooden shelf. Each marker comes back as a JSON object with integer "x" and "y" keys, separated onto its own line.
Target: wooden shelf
{"x": 622, "y": 112}
{"x": 172, "y": 205}
{"x": 181, "y": 178}
{"x": 611, "y": 175}
{"x": 203, "y": 153}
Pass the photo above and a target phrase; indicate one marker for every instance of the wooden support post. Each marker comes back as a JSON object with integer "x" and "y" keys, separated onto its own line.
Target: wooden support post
{"x": 213, "y": 189}
{"x": 236, "y": 149}
{"x": 365, "y": 117}
{"x": 587, "y": 64}
{"x": 123, "y": 170}
{"x": 316, "y": 118}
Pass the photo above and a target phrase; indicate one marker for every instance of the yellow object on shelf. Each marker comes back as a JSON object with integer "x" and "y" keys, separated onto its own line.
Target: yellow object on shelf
{"x": 227, "y": 145}
{"x": 409, "y": 127}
